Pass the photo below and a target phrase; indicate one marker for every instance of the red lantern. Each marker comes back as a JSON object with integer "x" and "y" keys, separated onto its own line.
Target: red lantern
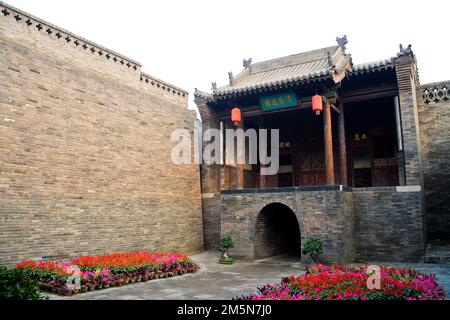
{"x": 236, "y": 116}
{"x": 317, "y": 104}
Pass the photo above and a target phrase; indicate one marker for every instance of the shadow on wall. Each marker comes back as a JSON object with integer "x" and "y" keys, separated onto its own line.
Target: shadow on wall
{"x": 276, "y": 231}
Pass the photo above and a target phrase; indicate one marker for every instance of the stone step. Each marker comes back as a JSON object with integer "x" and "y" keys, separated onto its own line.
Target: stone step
{"x": 437, "y": 260}
{"x": 438, "y": 254}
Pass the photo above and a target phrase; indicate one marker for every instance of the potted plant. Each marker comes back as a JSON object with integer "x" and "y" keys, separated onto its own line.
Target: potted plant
{"x": 224, "y": 244}
{"x": 313, "y": 248}
{"x": 92, "y": 285}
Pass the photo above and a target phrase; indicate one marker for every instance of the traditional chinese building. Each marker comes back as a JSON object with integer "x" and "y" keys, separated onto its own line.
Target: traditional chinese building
{"x": 351, "y": 158}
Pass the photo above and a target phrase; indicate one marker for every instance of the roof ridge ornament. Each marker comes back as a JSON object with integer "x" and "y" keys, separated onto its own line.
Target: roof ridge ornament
{"x": 246, "y": 63}
{"x": 342, "y": 41}
{"x": 404, "y": 51}
{"x": 214, "y": 86}
{"x": 230, "y": 77}
{"x": 201, "y": 97}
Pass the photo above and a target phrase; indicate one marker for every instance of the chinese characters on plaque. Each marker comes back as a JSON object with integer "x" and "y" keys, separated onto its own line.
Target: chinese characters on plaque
{"x": 278, "y": 101}
{"x": 360, "y": 137}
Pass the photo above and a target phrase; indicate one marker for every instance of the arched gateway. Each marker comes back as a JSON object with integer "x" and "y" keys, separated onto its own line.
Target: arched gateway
{"x": 277, "y": 231}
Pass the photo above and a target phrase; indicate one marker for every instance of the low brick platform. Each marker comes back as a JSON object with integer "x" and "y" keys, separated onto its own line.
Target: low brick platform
{"x": 438, "y": 253}
{"x": 370, "y": 224}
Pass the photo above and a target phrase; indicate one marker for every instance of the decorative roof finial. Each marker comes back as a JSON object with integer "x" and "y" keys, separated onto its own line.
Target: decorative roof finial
{"x": 230, "y": 77}
{"x": 342, "y": 41}
{"x": 246, "y": 64}
{"x": 403, "y": 51}
{"x": 214, "y": 86}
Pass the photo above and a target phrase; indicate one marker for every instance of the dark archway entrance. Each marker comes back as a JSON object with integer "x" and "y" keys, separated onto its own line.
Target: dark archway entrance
{"x": 276, "y": 231}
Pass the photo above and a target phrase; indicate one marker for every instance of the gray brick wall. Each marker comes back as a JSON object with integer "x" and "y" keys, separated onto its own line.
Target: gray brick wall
{"x": 407, "y": 80}
{"x": 435, "y": 137}
{"x": 210, "y": 178}
{"x": 388, "y": 224}
{"x": 85, "y": 149}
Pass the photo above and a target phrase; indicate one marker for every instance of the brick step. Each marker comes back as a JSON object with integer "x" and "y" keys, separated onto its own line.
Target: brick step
{"x": 438, "y": 254}
{"x": 437, "y": 260}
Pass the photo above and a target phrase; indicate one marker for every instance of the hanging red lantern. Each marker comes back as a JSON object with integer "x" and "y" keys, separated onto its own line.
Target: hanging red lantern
{"x": 317, "y": 104}
{"x": 236, "y": 116}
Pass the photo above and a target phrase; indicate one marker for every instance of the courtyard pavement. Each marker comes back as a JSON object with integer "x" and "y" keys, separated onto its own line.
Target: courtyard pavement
{"x": 223, "y": 282}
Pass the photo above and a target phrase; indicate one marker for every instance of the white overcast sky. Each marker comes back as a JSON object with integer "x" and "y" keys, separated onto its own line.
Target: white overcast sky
{"x": 192, "y": 43}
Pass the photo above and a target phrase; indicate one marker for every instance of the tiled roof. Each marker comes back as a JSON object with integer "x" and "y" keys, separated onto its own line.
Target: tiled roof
{"x": 372, "y": 66}
{"x": 327, "y": 63}
{"x": 331, "y": 62}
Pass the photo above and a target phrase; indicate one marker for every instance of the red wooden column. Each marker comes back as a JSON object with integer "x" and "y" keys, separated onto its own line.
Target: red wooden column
{"x": 262, "y": 178}
{"x": 328, "y": 136}
{"x": 240, "y": 167}
{"x": 342, "y": 146}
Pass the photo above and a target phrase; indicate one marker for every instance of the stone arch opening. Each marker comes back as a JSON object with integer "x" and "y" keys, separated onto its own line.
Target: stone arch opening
{"x": 277, "y": 231}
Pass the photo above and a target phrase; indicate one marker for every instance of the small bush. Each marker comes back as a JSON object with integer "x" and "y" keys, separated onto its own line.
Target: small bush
{"x": 15, "y": 284}
{"x": 313, "y": 248}
{"x": 225, "y": 243}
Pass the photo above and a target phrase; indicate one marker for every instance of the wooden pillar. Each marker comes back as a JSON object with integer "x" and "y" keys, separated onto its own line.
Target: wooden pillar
{"x": 262, "y": 178}
{"x": 342, "y": 146}
{"x": 223, "y": 185}
{"x": 328, "y": 136}
{"x": 240, "y": 167}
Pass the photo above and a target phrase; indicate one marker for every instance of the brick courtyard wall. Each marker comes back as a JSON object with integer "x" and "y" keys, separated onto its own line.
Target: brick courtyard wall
{"x": 409, "y": 101}
{"x": 210, "y": 177}
{"x": 85, "y": 145}
{"x": 434, "y": 116}
{"x": 407, "y": 80}
{"x": 388, "y": 224}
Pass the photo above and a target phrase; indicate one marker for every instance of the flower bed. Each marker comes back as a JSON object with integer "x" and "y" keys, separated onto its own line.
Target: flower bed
{"x": 105, "y": 271}
{"x": 345, "y": 283}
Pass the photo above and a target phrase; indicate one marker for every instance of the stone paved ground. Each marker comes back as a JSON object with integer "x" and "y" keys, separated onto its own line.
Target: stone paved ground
{"x": 216, "y": 281}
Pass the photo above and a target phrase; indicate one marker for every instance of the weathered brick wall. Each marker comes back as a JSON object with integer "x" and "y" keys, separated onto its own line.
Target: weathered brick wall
{"x": 434, "y": 119}
{"x": 211, "y": 220}
{"x": 388, "y": 224}
{"x": 407, "y": 80}
{"x": 211, "y": 179}
{"x": 373, "y": 224}
{"x": 85, "y": 152}
{"x": 325, "y": 212}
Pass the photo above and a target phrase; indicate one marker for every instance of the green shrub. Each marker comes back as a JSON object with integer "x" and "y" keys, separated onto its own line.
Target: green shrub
{"x": 15, "y": 284}
{"x": 225, "y": 243}
{"x": 313, "y": 248}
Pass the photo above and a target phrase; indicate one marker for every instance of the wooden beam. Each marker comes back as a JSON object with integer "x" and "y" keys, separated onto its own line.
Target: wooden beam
{"x": 336, "y": 109}
{"x": 255, "y": 110}
{"x": 328, "y": 136}
{"x": 370, "y": 96}
{"x": 342, "y": 146}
